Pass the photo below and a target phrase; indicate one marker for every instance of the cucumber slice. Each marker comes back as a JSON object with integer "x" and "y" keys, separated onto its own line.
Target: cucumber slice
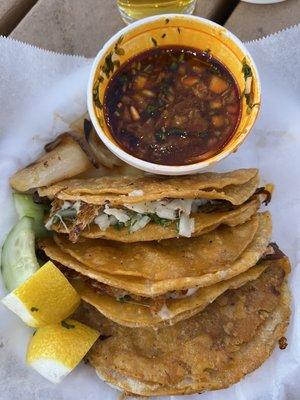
{"x": 26, "y": 207}
{"x": 18, "y": 260}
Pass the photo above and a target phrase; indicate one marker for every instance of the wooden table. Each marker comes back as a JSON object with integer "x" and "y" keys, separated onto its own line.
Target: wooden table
{"x": 81, "y": 27}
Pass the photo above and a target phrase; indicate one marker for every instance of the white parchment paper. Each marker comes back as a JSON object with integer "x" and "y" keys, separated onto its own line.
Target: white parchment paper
{"x": 36, "y": 86}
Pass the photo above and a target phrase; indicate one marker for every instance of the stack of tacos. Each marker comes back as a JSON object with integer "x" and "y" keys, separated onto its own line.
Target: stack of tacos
{"x": 173, "y": 271}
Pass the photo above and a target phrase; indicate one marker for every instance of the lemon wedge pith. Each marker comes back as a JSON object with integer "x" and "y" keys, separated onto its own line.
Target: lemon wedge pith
{"x": 46, "y": 297}
{"x": 56, "y": 349}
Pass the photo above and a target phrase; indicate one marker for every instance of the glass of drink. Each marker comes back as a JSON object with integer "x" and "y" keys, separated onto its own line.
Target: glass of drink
{"x": 132, "y": 10}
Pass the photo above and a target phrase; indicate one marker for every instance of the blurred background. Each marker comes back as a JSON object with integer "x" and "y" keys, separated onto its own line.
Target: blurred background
{"x": 81, "y": 27}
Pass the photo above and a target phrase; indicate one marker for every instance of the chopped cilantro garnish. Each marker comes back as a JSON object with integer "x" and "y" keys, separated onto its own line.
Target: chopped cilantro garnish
{"x": 108, "y": 66}
{"x": 97, "y": 102}
{"x": 160, "y": 221}
{"x": 181, "y": 57}
{"x": 246, "y": 69}
{"x": 33, "y": 309}
{"x": 160, "y": 136}
{"x": 176, "y": 131}
{"x": 120, "y": 40}
{"x": 167, "y": 20}
{"x": 119, "y": 51}
{"x": 154, "y": 41}
{"x": 174, "y": 66}
{"x": 119, "y": 225}
{"x": 151, "y": 109}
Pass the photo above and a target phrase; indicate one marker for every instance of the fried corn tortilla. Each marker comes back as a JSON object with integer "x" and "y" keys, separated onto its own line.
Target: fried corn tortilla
{"x": 140, "y": 314}
{"x": 149, "y": 288}
{"x": 168, "y": 259}
{"x": 204, "y": 222}
{"x": 117, "y": 189}
{"x": 145, "y": 208}
{"x": 211, "y": 350}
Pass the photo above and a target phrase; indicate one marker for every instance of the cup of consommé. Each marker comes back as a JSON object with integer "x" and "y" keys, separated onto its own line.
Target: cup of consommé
{"x": 173, "y": 94}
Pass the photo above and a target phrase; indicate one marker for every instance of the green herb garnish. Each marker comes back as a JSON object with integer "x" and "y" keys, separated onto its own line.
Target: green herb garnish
{"x": 181, "y": 57}
{"x": 66, "y": 325}
{"x": 178, "y": 30}
{"x": 173, "y": 66}
{"x": 120, "y": 40}
{"x": 108, "y": 66}
{"x": 176, "y": 131}
{"x": 154, "y": 41}
{"x": 163, "y": 35}
{"x": 119, "y": 225}
{"x": 160, "y": 136}
{"x": 167, "y": 20}
{"x": 119, "y": 51}
{"x": 148, "y": 68}
{"x": 246, "y": 69}
{"x": 97, "y": 102}
{"x": 34, "y": 309}
{"x": 152, "y": 108}
{"x": 160, "y": 221}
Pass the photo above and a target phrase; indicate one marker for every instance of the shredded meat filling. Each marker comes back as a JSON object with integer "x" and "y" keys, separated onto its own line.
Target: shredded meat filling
{"x": 88, "y": 212}
{"x": 86, "y": 215}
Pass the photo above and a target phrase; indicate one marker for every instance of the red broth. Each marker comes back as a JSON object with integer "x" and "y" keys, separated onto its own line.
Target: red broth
{"x": 172, "y": 106}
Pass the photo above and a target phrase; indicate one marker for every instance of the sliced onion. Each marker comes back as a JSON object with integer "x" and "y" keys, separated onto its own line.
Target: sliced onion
{"x": 65, "y": 160}
{"x": 77, "y": 206}
{"x": 144, "y": 207}
{"x": 121, "y": 215}
{"x": 162, "y": 211}
{"x": 181, "y": 205}
{"x": 140, "y": 223}
{"x": 164, "y": 312}
{"x": 112, "y": 220}
{"x": 101, "y": 152}
{"x": 136, "y": 193}
{"x": 186, "y": 225}
{"x": 66, "y": 205}
{"x": 102, "y": 221}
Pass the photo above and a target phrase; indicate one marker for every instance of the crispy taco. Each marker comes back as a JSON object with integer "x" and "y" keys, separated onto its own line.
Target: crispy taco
{"x": 157, "y": 283}
{"x": 211, "y": 350}
{"x": 146, "y": 208}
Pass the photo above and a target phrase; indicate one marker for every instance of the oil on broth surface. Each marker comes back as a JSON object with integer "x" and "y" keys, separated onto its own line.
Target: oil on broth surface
{"x": 172, "y": 106}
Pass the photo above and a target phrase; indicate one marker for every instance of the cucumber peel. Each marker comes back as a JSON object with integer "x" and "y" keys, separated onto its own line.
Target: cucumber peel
{"x": 26, "y": 207}
{"x": 18, "y": 259}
